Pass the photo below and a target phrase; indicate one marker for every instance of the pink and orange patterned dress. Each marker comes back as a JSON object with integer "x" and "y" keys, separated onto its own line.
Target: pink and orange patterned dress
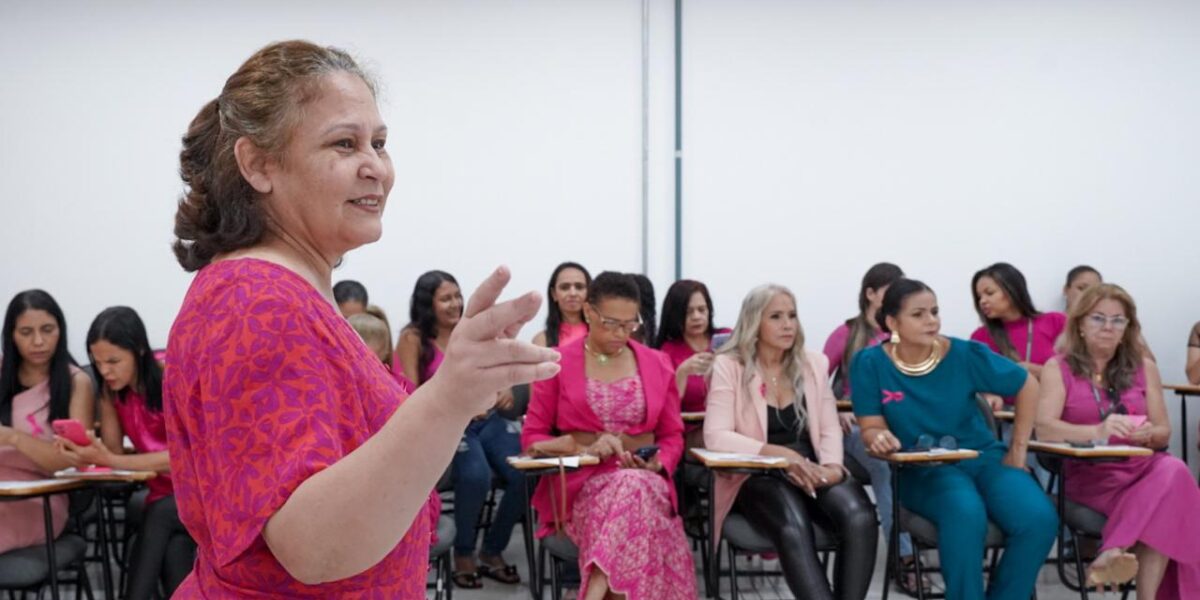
{"x": 623, "y": 520}
{"x": 265, "y": 386}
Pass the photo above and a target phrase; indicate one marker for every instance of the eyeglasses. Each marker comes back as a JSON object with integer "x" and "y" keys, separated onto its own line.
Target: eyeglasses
{"x": 1098, "y": 321}
{"x": 612, "y": 325}
{"x": 927, "y": 443}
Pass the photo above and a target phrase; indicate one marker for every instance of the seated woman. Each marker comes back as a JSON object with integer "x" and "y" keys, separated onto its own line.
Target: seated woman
{"x": 686, "y": 336}
{"x": 434, "y": 310}
{"x": 566, "y": 292}
{"x": 39, "y": 383}
{"x": 1103, "y": 387}
{"x": 611, "y": 397}
{"x": 1192, "y": 368}
{"x": 1012, "y": 327}
{"x": 351, "y": 297}
{"x": 858, "y": 332}
{"x": 131, "y": 404}
{"x": 1080, "y": 279}
{"x": 924, "y": 385}
{"x": 770, "y": 396}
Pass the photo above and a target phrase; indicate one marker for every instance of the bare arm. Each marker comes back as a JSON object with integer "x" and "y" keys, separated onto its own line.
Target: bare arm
{"x": 408, "y": 352}
{"x": 1026, "y": 409}
{"x": 1050, "y": 425}
{"x": 390, "y": 476}
{"x": 1157, "y": 432}
{"x": 1193, "y": 365}
{"x": 43, "y": 452}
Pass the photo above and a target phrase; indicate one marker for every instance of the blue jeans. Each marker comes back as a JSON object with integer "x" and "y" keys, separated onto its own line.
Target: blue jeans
{"x": 881, "y": 484}
{"x": 485, "y": 446}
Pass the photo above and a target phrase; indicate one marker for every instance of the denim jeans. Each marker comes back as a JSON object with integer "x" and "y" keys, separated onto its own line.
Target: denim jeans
{"x": 881, "y": 485}
{"x": 485, "y": 446}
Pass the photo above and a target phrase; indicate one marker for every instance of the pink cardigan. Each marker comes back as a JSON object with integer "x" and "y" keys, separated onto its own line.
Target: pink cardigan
{"x": 559, "y": 405}
{"x": 736, "y": 420}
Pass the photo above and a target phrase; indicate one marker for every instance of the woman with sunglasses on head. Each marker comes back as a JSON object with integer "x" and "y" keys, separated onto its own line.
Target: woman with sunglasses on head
{"x": 771, "y": 396}
{"x": 1100, "y": 389}
{"x": 567, "y": 292}
{"x": 1012, "y": 327}
{"x": 39, "y": 383}
{"x": 923, "y": 386}
{"x": 614, "y": 396}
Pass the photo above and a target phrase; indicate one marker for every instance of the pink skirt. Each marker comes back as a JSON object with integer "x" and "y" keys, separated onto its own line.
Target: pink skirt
{"x": 624, "y": 525}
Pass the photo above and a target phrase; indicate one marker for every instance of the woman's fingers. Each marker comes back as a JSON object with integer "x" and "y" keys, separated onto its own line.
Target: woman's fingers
{"x": 501, "y": 319}
{"x": 501, "y": 352}
{"x": 486, "y": 294}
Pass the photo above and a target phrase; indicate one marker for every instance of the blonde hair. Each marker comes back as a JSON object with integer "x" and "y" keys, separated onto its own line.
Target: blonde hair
{"x": 1127, "y": 360}
{"x": 376, "y": 333}
{"x": 743, "y": 343}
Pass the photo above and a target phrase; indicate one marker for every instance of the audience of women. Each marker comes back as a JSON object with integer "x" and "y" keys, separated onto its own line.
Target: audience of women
{"x": 435, "y": 309}
{"x": 920, "y": 388}
{"x": 277, "y": 409}
{"x": 39, "y": 383}
{"x": 567, "y": 291}
{"x": 131, "y": 405}
{"x": 858, "y": 332}
{"x": 614, "y": 396}
{"x": 686, "y": 336}
{"x": 771, "y": 396}
{"x": 1103, "y": 389}
{"x": 1012, "y": 327}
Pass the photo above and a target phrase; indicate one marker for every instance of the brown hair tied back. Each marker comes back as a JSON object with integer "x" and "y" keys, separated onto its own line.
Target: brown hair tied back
{"x": 219, "y": 211}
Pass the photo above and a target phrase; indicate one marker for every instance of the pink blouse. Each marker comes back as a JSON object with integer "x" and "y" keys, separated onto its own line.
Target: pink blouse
{"x": 148, "y": 432}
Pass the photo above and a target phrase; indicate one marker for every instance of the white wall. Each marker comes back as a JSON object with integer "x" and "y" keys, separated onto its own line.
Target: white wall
{"x": 819, "y": 138}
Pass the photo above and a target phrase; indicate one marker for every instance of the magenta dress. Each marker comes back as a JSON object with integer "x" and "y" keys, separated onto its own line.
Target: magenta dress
{"x": 1148, "y": 499}
{"x": 623, "y": 520}
{"x": 147, "y": 430}
{"x": 22, "y": 521}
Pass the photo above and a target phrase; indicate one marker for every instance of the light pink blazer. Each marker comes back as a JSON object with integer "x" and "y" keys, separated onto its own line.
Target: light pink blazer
{"x": 736, "y": 420}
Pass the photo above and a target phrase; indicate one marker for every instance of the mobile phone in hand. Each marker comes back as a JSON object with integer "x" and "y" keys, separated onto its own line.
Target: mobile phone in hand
{"x": 646, "y": 452}
{"x": 72, "y": 430}
{"x": 719, "y": 339}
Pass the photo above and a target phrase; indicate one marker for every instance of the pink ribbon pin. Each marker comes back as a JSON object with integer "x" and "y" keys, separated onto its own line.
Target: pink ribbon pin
{"x": 892, "y": 396}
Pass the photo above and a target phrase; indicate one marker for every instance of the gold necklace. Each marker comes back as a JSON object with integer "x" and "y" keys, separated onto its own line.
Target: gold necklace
{"x": 922, "y": 368}
{"x": 600, "y": 356}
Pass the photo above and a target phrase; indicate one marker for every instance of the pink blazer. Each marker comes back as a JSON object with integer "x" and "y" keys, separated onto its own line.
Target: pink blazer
{"x": 736, "y": 420}
{"x": 559, "y": 405}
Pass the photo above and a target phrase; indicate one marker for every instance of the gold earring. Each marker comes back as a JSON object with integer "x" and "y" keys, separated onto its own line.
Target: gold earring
{"x": 895, "y": 339}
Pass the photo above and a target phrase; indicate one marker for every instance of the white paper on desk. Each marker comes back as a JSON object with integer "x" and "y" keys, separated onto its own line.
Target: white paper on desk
{"x": 20, "y": 485}
{"x": 73, "y": 473}
{"x": 709, "y": 455}
{"x": 571, "y": 462}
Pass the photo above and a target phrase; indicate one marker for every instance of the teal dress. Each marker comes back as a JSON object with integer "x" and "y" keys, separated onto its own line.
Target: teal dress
{"x": 961, "y": 498}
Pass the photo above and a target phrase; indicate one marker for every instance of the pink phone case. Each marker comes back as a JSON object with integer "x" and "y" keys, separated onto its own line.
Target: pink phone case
{"x": 1136, "y": 421}
{"x": 72, "y": 430}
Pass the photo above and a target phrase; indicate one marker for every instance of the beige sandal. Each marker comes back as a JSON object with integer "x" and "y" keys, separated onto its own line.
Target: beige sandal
{"x": 1119, "y": 568}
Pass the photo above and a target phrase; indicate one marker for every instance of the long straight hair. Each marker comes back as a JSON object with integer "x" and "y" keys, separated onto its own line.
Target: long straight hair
{"x": 675, "y": 310}
{"x": 743, "y": 344}
{"x": 423, "y": 317}
{"x": 1012, "y": 283}
{"x": 60, "y": 363}
{"x": 122, "y": 327}
{"x": 1125, "y": 363}
{"x": 861, "y": 326}
{"x": 554, "y": 315}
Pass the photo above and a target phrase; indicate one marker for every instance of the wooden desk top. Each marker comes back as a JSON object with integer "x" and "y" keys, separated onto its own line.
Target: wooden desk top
{"x": 37, "y": 487}
{"x": 693, "y": 417}
{"x": 730, "y": 460}
{"x": 931, "y": 456}
{"x": 115, "y": 475}
{"x": 529, "y": 463}
{"x": 1184, "y": 389}
{"x": 1104, "y": 451}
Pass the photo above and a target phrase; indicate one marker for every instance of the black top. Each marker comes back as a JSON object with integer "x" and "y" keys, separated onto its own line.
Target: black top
{"x": 785, "y": 428}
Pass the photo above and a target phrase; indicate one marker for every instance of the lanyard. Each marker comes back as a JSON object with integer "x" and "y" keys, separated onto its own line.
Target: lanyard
{"x": 1100, "y": 405}
{"x": 1029, "y": 341}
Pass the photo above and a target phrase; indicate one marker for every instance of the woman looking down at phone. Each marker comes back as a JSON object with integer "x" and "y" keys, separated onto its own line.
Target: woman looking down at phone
{"x": 686, "y": 336}
{"x": 39, "y": 383}
{"x": 1101, "y": 389}
{"x": 922, "y": 385}
{"x": 300, "y": 467}
{"x": 131, "y": 405}
{"x": 612, "y": 397}
{"x": 771, "y": 396}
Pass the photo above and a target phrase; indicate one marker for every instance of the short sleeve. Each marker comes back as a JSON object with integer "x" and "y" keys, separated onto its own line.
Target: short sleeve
{"x": 1194, "y": 338}
{"x": 1057, "y": 321}
{"x": 835, "y": 346}
{"x": 992, "y": 373}
{"x": 865, "y": 394}
{"x": 264, "y": 420}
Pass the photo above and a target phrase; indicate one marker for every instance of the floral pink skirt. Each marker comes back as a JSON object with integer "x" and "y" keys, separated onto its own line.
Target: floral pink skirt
{"x": 624, "y": 525}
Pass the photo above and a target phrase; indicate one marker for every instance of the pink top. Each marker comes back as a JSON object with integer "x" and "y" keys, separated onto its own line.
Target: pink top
{"x": 1046, "y": 329}
{"x": 148, "y": 432}
{"x": 1080, "y": 408}
{"x": 266, "y": 386}
{"x": 835, "y": 347}
{"x": 619, "y": 404}
{"x": 563, "y": 404}
{"x": 696, "y": 392}
{"x": 434, "y": 363}
{"x": 569, "y": 332}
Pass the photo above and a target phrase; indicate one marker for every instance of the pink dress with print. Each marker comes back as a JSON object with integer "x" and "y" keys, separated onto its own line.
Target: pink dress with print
{"x": 23, "y": 523}
{"x": 1148, "y": 499}
{"x": 623, "y": 521}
